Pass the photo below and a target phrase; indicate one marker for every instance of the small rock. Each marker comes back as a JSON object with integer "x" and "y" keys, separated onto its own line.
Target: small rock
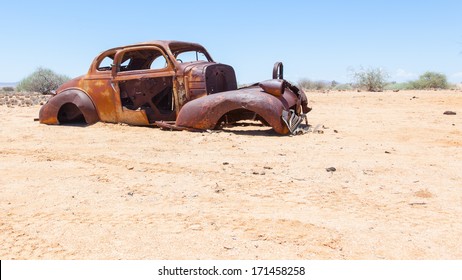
{"x": 449, "y": 113}
{"x": 331, "y": 169}
{"x": 417, "y": 203}
{"x": 335, "y": 130}
{"x": 267, "y": 167}
{"x": 195, "y": 227}
{"x": 225, "y": 163}
{"x": 130, "y": 193}
{"x": 387, "y": 152}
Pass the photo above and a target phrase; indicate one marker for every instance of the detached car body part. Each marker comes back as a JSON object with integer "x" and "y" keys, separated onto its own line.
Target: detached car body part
{"x": 174, "y": 85}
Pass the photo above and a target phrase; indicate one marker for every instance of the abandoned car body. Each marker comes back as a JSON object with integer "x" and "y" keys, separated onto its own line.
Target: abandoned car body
{"x": 173, "y": 85}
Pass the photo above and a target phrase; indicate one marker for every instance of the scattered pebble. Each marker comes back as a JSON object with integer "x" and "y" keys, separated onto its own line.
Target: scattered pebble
{"x": 331, "y": 169}
{"x": 417, "y": 203}
{"x": 22, "y": 99}
{"x": 196, "y": 227}
{"x": 219, "y": 190}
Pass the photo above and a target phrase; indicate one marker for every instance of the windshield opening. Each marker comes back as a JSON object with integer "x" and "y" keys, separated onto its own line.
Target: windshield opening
{"x": 191, "y": 56}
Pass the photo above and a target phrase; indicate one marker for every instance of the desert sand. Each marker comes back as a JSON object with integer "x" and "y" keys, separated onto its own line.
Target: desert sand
{"x": 111, "y": 191}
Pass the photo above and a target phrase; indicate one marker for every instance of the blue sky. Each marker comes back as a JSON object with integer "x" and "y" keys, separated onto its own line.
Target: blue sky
{"x": 315, "y": 39}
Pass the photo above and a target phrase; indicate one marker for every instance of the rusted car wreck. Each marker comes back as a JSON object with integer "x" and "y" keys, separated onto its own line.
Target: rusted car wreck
{"x": 174, "y": 85}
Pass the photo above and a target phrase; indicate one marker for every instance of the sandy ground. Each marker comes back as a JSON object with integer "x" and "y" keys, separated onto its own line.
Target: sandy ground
{"x": 112, "y": 191}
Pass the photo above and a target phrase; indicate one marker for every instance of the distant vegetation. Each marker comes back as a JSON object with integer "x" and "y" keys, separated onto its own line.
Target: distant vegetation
{"x": 7, "y": 89}
{"x": 371, "y": 79}
{"x": 316, "y": 85}
{"x": 431, "y": 80}
{"x": 428, "y": 80}
{"x": 42, "y": 80}
{"x": 376, "y": 80}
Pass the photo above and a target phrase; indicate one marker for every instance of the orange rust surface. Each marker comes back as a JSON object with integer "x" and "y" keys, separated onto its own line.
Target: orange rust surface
{"x": 212, "y": 87}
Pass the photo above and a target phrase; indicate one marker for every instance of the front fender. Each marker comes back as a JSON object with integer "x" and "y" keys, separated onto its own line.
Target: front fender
{"x": 205, "y": 112}
{"x": 49, "y": 112}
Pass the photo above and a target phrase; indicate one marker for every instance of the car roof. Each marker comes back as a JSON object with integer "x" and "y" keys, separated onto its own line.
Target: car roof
{"x": 165, "y": 44}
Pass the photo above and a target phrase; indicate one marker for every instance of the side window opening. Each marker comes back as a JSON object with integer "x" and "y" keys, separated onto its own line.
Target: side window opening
{"x": 105, "y": 64}
{"x": 150, "y": 59}
{"x": 124, "y": 65}
{"x": 158, "y": 63}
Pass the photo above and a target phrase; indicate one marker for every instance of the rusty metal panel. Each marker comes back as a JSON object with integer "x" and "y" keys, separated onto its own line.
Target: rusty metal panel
{"x": 219, "y": 78}
{"x": 274, "y": 87}
{"x": 49, "y": 112}
{"x": 198, "y": 94}
{"x": 206, "y": 112}
{"x": 103, "y": 96}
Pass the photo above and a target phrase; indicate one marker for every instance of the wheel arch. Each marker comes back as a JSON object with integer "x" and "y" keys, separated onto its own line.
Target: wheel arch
{"x": 206, "y": 112}
{"x": 49, "y": 113}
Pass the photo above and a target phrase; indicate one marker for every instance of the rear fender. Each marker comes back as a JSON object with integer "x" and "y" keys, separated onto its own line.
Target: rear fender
{"x": 204, "y": 113}
{"x": 49, "y": 112}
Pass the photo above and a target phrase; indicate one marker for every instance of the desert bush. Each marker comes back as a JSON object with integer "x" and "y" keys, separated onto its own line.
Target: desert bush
{"x": 314, "y": 85}
{"x": 371, "y": 79}
{"x": 42, "y": 80}
{"x": 430, "y": 80}
{"x": 398, "y": 86}
{"x": 7, "y": 89}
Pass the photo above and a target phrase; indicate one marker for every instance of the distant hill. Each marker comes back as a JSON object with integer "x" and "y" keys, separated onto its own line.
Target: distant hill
{"x": 7, "y": 84}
